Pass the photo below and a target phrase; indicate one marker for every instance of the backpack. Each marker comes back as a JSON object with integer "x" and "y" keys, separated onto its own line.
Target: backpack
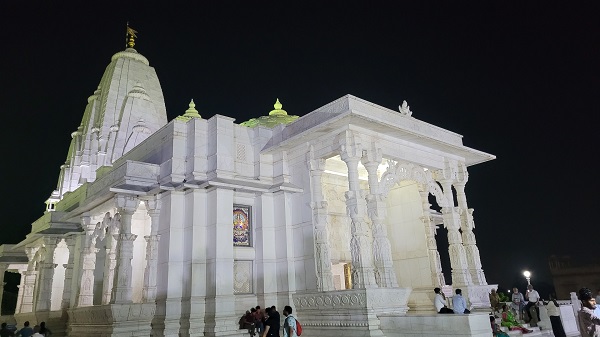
{"x": 298, "y": 327}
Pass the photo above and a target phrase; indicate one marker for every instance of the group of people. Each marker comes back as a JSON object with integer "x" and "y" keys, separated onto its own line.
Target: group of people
{"x": 27, "y": 331}
{"x": 267, "y": 323}
{"x": 459, "y": 304}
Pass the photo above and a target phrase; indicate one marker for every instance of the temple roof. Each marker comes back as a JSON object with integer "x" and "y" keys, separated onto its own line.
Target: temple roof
{"x": 276, "y": 116}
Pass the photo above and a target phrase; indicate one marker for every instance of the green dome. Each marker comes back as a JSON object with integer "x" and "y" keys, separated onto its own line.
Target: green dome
{"x": 276, "y": 116}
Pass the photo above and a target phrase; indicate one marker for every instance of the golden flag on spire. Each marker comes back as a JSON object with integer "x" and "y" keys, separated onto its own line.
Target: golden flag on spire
{"x": 131, "y": 31}
{"x": 130, "y": 36}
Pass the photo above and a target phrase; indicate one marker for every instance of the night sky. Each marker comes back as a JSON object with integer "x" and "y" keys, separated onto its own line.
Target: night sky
{"x": 519, "y": 81}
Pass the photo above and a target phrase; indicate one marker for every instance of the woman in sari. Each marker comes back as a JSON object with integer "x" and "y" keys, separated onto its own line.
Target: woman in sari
{"x": 509, "y": 321}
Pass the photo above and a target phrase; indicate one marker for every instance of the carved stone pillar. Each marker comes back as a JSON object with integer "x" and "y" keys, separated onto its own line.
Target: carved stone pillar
{"x": 376, "y": 205}
{"x": 468, "y": 237}
{"x": 88, "y": 264}
{"x": 46, "y": 274}
{"x": 66, "y": 298}
{"x": 363, "y": 271}
{"x": 435, "y": 264}
{"x": 110, "y": 261}
{"x": 458, "y": 258}
{"x": 319, "y": 209}
{"x": 149, "y": 289}
{"x": 28, "y": 278}
{"x": 122, "y": 291}
{"x": 21, "y": 287}
{"x": 3, "y": 267}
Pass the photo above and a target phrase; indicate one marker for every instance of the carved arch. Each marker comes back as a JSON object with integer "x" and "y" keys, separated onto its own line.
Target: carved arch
{"x": 398, "y": 172}
{"x": 108, "y": 227}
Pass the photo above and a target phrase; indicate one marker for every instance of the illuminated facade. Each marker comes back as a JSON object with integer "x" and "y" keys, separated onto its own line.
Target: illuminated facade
{"x": 176, "y": 228}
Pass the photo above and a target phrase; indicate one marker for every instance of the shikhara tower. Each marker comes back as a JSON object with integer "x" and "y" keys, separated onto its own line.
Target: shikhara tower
{"x": 176, "y": 228}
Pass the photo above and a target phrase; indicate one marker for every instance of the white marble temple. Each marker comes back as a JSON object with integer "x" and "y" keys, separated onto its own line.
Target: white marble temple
{"x": 176, "y": 228}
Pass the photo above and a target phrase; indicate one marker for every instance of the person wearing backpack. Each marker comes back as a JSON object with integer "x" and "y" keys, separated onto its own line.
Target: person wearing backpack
{"x": 291, "y": 326}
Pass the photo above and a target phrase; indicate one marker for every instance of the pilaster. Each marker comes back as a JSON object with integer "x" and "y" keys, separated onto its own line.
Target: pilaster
{"x": 468, "y": 237}
{"x": 363, "y": 273}
{"x": 220, "y": 301}
{"x": 319, "y": 209}
{"x": 266, "y": 257}
{"x": 122, "y": 291}
{"x": 376, "y": 206}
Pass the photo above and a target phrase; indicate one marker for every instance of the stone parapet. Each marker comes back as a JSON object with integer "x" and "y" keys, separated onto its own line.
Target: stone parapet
{"x": 111, "y": 320}
{"x": 351, "y": 312}
{"x": 478, "y": 296}
{"x": 473, "y": 325}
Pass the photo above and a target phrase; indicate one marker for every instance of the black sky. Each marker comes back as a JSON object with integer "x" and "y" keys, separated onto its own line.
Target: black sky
{"x": 520, "y": 81}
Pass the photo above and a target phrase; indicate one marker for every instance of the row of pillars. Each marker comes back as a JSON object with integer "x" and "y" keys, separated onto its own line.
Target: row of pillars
{"x": 372, "y": 264}
{"x": 36, "y": 281}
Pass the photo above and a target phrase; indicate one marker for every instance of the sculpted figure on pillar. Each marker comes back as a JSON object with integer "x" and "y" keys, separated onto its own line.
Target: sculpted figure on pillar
{"x": 363, "y": 270}
{"x": 149, "y": 289}
{"x": 376, "y": 205}
{"x": 467, "y": 226}
{"x": 319, "y": 209}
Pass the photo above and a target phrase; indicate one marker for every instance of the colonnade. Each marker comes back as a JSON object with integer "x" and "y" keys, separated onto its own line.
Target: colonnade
{"x": 371, "y": 252}
{"x": 35, "y": 289}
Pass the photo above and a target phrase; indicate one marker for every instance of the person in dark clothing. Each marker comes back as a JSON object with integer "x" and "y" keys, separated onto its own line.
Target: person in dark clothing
{"x": 4, "y": 332}
{"x": 273, "y": 324}
{"x": 45, "y": 331}
{"x": 27, "y": 331}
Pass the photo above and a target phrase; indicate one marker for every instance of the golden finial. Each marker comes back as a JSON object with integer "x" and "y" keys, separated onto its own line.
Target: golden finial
{"x": 190, "y": 113}
{"x": 130, "y": 36}
{"x": 277, "y": 110}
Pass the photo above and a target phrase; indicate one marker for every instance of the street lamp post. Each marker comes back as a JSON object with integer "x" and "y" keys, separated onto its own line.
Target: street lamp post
{"x": 527, "y": 275}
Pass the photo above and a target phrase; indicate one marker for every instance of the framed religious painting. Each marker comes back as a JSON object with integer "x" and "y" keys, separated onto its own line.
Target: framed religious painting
{"x": 242, "y": 226}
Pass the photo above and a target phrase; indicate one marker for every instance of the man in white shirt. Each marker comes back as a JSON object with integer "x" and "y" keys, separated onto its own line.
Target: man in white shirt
{"x": 440, "y": 302}
{"x": 533, "y": 298}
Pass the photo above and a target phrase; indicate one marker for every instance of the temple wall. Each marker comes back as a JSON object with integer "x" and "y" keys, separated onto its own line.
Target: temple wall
{"x": 407, "y": 235}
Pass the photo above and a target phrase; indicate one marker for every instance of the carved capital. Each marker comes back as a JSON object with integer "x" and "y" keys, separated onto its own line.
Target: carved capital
{"x": 127, "y": 203}
{"x": 153, "y": 205}
{"x": 350, "y": 147}
{"x": 316, "y": 166}
{"x": 371, "y": 159}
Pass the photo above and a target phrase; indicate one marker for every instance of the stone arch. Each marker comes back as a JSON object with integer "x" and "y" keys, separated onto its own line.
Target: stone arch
{"x": 398, "y": 172}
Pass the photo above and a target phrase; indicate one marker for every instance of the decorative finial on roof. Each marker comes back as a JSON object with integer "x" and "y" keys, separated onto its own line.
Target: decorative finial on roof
{"x": 190, "y": 113}
{"x": 405, "y": 109}
{"x": 276, "y": 116}
{"x": 277, "y": 110}
{"x": 130, "y": 35}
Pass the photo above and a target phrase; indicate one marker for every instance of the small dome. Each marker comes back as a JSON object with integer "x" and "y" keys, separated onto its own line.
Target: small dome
{"x": 132, "y": 54}
{"x": 276, "y": 116}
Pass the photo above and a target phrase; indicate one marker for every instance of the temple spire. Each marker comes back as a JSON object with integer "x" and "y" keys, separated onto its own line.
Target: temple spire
{"x": 130, "y": 36}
